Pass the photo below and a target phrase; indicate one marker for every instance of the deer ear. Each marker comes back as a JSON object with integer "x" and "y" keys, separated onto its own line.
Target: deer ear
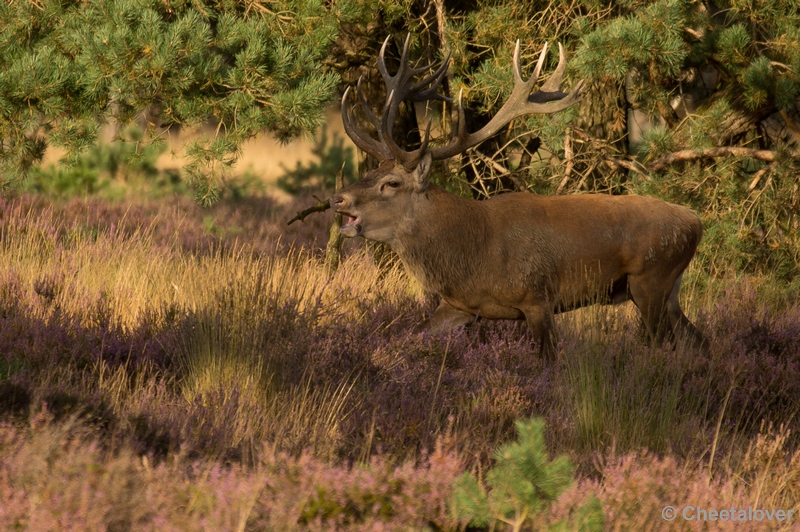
{"x": 422, "y": 172}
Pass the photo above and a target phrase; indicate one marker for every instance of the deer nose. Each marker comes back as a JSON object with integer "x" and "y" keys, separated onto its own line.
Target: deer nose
{"x": 337, "y": 202}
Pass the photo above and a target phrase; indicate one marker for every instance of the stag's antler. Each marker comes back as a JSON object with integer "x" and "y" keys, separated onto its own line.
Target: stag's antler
{"x": 548, "y": 99}
{"x": 399, "y": 87}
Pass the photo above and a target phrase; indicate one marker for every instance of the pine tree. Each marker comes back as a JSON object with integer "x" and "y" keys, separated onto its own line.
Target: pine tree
{"x": 68, "y": 67}
{"x": 523, "y": 483}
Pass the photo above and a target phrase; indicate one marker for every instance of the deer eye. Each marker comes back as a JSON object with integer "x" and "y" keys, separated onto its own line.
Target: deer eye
{"x": 390, "y": 184}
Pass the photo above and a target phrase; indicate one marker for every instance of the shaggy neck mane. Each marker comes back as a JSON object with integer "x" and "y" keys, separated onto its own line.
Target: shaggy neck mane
{"x": 443, "y": 239}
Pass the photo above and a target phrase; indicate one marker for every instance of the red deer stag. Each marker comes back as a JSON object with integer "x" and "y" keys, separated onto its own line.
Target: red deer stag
{"x": 516, "y": 255}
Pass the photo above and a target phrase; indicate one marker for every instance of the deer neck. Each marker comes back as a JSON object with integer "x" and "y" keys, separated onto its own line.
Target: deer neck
{"x": 441, "y": 240}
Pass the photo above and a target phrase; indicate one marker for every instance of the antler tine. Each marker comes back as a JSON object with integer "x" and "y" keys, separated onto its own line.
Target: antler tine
{"x": 462, "y": 117}
{"x": 401, "y": 83}
{"x": 434, "y": 80}
{"x": 518, "y": 79}
{"x": 548, "y": 99}
{"x": 410, "y": 159}
{"x": 517, "y": 69}
{"x": 539, "y": 64}
{"x": 404, "y": 55}
{"x": 365, "y": 142}
{"x": 554, "y": 82}
{"x": 387, "y": 127}
{"x": 399, "y": 87}
{"x": 411, "y": 71}
{"x": 549, "y": 95}
{"x": 404, "y": 71}
{"x": 436, "y": 77}
{"x": 365, "y": 106}
{"x": 385, "y": 131}
{"x": 382, "y": 60}
{"x": 394, "y": 85}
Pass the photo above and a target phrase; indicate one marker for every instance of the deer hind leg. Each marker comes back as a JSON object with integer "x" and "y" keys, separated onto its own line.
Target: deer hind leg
{"x": 540, "y": 322}
{"x": 651, "y": 298}
{"x": 446, "y": 318}
{"x": 684, "y": 330}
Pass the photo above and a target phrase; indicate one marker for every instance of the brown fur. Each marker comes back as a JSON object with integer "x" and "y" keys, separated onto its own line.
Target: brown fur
{"x": 521, "y": 255}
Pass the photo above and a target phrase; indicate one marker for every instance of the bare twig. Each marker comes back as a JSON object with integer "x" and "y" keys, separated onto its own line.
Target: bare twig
{"x": 441, "y": 25}
{"x": 280, "y": 15}
{"x": 691, "y": 155}
{"x": 569, "y": 162}
{"x": 502, "y": 170}
{"x": 321, "y": 206}
{"x": 781, "y": 65}
{"x": 471, "y": 159}
{"x": 753, "y": 196}
{"x": 757, "y": 177}
{"x": 694, "y": 33}
{"x": 585, "y": 176}
{"x": 790, "y": 124}
{"x": 633, "y": 166}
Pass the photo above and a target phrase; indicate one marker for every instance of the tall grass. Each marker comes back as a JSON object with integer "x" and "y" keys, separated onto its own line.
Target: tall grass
{"x": 148, "y": 352}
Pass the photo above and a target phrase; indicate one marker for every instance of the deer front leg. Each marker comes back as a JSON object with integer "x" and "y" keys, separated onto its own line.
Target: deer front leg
{"x": 540, "y": 322}
{"x": 446, "y": 318}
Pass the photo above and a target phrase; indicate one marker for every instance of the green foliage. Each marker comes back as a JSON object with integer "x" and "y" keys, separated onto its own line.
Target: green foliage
{"x": 749, "y": 230}
{"x": 103, "y": 167}
{"x": 522, "y": 484}
{"x": 649, "y": 41}
{"x": 77, "y": 180}
{"x": 656, "y": 141}
{"x": 653, "y": 40}
{"x": 757, "y": 81}
{"x": 331, "y": 154}
{"x": 482, "y": 40}
{"x": 67, "y": 67}
{"x": 732, "y": 45}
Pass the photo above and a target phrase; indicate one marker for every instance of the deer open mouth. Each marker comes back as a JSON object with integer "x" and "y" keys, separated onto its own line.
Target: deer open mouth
{"x": 351, "y": 225}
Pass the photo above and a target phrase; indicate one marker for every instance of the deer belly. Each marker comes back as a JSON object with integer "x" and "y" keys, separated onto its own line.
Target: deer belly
{"x": 488, "y": 310}
{"x": 499, "y": 312}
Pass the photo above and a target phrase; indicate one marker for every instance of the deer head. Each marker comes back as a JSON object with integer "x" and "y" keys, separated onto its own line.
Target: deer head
{"x": 378, "y": 204}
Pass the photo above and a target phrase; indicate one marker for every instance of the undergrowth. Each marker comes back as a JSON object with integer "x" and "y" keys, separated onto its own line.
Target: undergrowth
{"x": 158, "y": 375}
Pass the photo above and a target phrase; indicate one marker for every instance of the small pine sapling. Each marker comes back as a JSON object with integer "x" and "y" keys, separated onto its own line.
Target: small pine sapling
{"x": 523, "y": 483}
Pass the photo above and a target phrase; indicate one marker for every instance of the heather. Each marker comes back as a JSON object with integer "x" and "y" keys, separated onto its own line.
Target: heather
{"x": 165, "y": 366}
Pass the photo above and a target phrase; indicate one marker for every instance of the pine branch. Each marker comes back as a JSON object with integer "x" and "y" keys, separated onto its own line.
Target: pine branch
{"x": 321, "y": 206}
{"x": 692, "y": 155}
